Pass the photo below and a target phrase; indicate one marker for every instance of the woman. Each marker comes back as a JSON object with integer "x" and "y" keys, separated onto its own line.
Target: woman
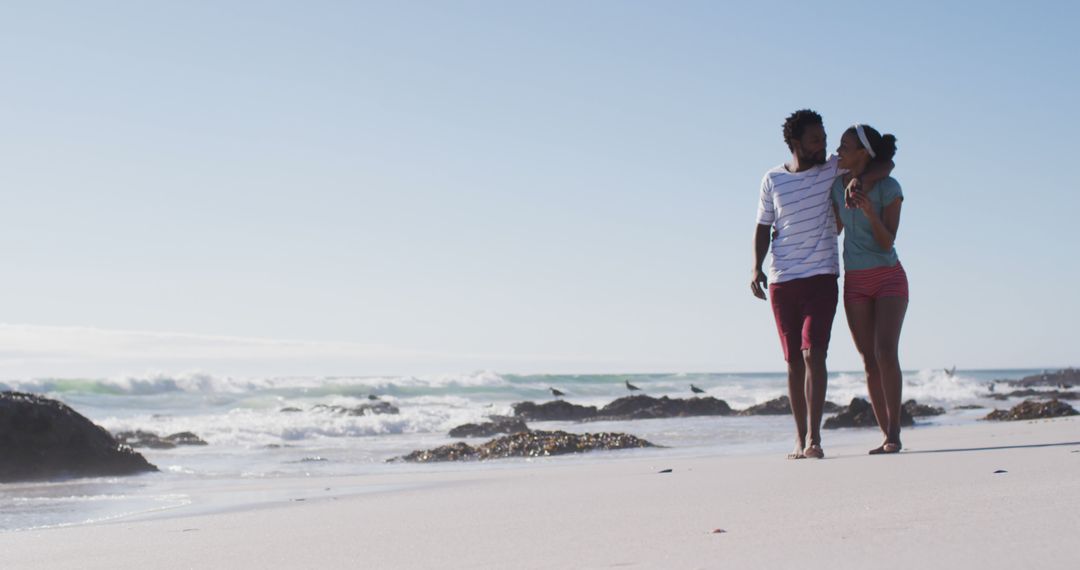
{"x": 875, "y": 285}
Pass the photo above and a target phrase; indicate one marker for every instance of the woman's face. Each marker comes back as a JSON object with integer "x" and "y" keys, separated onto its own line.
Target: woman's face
{"x": 849, "y": 152}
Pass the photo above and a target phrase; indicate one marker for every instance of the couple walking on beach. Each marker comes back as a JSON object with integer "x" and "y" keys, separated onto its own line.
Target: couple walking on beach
{"x": 805, "y": 204}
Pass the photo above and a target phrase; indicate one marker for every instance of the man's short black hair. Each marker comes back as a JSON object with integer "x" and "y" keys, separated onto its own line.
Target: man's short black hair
{"x": 796, "y": 124}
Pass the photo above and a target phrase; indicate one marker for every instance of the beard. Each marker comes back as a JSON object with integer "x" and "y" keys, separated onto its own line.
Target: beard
{"x": 813, "y": 159}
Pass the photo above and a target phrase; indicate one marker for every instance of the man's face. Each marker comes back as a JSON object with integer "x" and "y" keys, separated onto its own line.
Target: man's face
{"x": 810, "y": 148}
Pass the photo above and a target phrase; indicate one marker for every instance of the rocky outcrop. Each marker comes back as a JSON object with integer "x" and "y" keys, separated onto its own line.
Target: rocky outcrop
{"x": 642, "y": 407}
{"x": 637, "y": 407}
{"x": 775, "y": 407}
{"x": 140, "y": 438}
{"x": 527, "y": 444}
{"x": 917, "y": 410}
{"x": 859, "y": 413}
{"x": 1036, "y": 393}
{"x": 370, "y": 408}
{"x": 45, "y": 439}
{"x": 1033, "y": 410}
{"x": 832, "y": 408}
{"x": 782, "y": 406}
{"x": 1066, "y": 378}
{"x": 498, "y": 424}
{"x": 556, "y": 411}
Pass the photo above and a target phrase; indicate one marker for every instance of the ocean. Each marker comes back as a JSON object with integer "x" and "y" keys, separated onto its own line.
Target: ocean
{"x": 250, "y": 439}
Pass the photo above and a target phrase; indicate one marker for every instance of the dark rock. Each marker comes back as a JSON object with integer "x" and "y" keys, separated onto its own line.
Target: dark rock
{"x": 1033, "y": 410}
{"x": 290, "y": 410}
{"x": 832, "y": 408}
{"x": 558, "y": 410}
{"x": 859, "y": 413}
{"x": 782, "y": 406}
{"x": 185, "y": 438}
{"x": 370, "y": 408}
{"x": 1066, "y": 378}
{"x": 527, "y": 444}
{"x": 140, "y": 438}
{"x": 917, "y": 410}
{"x": 44, "y": 439}
{"x": 775, "y": 407}
{"x": 1034, "y": 393}
{"x": 641, "y": 407}
{"x": 498, "y": 424}
{"x": 459, "y": 451}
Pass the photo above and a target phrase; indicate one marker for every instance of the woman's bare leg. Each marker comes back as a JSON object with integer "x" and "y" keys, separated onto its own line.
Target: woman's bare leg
{"x": 888, "y": 321}
{"x": 861, "y": 321}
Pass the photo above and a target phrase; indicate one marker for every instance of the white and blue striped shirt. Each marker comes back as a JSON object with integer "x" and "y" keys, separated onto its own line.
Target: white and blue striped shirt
{"x": 798, "y": 206}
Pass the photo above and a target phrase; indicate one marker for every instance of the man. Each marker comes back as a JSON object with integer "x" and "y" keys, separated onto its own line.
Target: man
{"x": 796, "y": 212}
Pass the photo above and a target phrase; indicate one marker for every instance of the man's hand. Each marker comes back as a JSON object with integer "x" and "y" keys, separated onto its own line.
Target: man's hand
{"x": 759, "y": 283}
{"x": 855, "y": 185}
{"x": 861, "y": 201}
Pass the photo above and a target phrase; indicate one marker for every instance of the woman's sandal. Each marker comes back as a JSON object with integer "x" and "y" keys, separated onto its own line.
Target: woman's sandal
{"x": 814, "y": 451}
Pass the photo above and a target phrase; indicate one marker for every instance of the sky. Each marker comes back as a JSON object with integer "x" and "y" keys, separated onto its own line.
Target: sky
{"x": 369, "y": 188}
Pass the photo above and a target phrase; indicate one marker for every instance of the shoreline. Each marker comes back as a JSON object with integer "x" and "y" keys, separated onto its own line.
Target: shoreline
{"x": 944, "y": 505}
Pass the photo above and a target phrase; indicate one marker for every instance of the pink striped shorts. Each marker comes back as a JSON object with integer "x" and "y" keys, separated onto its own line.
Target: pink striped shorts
{"x": 865, "y": 285}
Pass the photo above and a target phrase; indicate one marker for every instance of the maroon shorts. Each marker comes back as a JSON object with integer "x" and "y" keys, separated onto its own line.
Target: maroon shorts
{"x": 804, "y": 310}
{"x": 864, "y": 285}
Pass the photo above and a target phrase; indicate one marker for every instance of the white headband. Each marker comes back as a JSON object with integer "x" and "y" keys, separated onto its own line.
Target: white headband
{"x": 866, "y": 143}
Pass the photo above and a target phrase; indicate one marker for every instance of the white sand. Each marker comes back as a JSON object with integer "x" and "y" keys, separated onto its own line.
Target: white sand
{"x": 937, "y": 505}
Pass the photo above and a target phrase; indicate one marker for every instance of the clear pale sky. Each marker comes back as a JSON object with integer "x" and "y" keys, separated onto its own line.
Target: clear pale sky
{"x": 420, "y": 187}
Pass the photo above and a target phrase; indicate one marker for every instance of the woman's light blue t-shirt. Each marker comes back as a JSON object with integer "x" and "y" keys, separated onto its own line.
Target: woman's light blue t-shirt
{"x": 860, "y": 249}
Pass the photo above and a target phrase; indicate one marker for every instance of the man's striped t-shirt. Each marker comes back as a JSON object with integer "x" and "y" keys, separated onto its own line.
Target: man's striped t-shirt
{"x": 798, "y": 206}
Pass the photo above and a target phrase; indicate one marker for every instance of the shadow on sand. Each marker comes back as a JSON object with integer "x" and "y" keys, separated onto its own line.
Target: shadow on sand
{"x": 959, "y": 449}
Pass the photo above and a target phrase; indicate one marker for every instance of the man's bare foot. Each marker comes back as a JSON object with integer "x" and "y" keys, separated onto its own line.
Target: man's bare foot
{"x": 814, "y": 451}
{"x": 797, "y": 454}
{"x": 891, "y": 447}
{"x": 878, "y": 450}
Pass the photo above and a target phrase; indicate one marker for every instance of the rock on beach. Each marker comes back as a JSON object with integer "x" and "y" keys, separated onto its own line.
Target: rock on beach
{"x": 498, "y": 424}
{"x": 1033, "y": 410}
{"x": 527, "y": 444}
{"x": 140, "y": 438}
{"x": 859, "y": 413}
{"x": 42, "y": 438}
{"x": 782, "y": 406}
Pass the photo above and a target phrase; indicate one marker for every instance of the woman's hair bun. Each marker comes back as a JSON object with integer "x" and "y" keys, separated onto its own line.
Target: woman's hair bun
{"x": 886, "y": 149}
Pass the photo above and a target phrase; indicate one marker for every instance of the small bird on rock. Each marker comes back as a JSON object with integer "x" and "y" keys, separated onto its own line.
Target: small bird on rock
{"x": 696, "y": 390}
{"x": 630, "y": 386}
{"x": 556, "y": 393}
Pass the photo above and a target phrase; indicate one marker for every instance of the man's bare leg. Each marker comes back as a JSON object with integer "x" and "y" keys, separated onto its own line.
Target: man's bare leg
{"x": 797, "y": 395}
{"x": 815, "y": 385}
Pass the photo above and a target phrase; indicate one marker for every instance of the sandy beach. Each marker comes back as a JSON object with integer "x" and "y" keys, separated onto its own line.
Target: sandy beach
{"x": 992, "y": 495}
